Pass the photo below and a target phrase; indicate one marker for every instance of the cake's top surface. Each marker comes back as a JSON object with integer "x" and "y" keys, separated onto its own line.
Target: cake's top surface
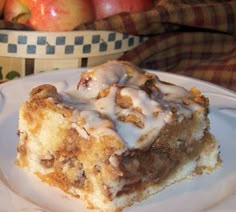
{"x": 123, "y": 100}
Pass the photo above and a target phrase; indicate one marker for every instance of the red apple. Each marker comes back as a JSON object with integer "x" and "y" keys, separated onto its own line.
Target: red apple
{"x": 105, "y": 8}
{"x": 49, "y": 15}
{"x": 2, "y": 3}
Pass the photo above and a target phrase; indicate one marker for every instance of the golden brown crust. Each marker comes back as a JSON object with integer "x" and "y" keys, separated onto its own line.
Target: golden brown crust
{"x": 43, "y": 91}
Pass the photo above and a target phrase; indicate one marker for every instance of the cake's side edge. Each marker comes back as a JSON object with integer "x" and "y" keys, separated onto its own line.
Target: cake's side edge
{"x": 208, "y": 161}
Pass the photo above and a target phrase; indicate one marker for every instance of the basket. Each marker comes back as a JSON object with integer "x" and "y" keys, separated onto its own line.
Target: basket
{"x": 28, "y": 52}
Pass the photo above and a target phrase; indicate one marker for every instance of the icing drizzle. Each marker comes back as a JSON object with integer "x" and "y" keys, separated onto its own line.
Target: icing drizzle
{"x": 151, "y": 104}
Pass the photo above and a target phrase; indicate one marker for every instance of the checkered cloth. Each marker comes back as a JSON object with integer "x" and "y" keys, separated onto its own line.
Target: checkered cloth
{"x": 196, "y": 38}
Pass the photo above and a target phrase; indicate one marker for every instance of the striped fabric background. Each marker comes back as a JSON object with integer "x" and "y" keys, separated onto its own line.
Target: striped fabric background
{"x": 196, "y": 38}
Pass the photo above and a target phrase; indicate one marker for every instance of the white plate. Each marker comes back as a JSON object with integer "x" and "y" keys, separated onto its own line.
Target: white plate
{"x": 20, "y": 191}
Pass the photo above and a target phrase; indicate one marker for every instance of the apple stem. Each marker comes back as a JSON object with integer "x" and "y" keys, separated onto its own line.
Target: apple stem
{"x": 21, "y": 17}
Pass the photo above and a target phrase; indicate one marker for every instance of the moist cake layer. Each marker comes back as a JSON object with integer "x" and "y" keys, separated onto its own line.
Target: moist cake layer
{"x": 120, "y": 136}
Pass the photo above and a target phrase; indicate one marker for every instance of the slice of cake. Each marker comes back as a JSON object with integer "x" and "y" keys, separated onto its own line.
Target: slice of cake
{"x": 120, "y": 136}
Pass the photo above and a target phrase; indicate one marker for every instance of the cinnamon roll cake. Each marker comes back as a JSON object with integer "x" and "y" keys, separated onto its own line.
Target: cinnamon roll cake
{"x": 119, "y": 137}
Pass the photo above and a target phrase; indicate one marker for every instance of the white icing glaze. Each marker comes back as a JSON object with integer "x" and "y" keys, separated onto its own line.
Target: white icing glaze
{"x": 93, "y": 120}
{"x": 102, "y": 77}
{"x": 136, "y": 80}
{"x": 172, "y": 91}
{"x": 101, "y": 115}
{"x": 107, "y": 105}
{"x": 72, "y": 98}
{"x": 141, "y": 100}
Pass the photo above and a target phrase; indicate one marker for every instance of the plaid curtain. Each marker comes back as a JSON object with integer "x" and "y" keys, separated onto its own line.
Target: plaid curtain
{"x": 196, "y": 38}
